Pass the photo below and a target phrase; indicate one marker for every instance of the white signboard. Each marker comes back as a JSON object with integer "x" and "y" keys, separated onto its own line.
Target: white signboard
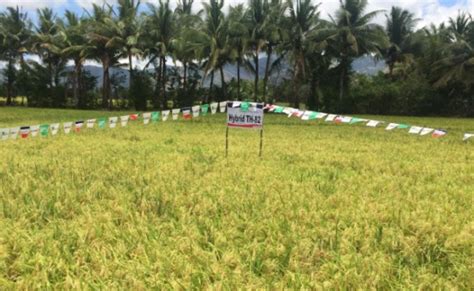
{"x": 246, "y": 115}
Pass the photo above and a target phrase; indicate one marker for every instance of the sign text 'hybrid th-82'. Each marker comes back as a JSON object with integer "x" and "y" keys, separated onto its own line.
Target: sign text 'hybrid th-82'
{"x": 245, "y": 115}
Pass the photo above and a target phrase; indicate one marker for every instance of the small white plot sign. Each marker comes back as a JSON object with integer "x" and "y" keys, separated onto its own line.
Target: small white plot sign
{"x": 245, "y": 115}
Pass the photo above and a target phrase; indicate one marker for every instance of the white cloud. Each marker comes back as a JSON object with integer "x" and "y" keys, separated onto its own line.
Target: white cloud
{"x": 32, "y": 4}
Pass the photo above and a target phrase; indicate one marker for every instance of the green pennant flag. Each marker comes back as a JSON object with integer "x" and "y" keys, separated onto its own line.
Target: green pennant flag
{"x": 102, "y": 122}
{"x": 44, "y": 129}
{"x": 279, "y": 109}
{"x": 403, "y": 126}
{"x": 313, "y": 115}
{"x": 155, "y": 116}
{"x": 204, "y": 109}
{"x": 355, "y": 120}
{"x": 244, "y": 106}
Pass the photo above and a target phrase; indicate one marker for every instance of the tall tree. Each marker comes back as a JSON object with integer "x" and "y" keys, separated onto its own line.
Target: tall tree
{"x": 400, "y": 26}
{"x": 238, "y": 39}
{"x": 160, "y": 30}
{"x": 354, "y": 35}
{"x": 15, "y": 32}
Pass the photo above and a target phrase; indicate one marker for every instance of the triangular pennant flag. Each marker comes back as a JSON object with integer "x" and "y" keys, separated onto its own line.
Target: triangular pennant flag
{"x": 214, "y": 106}
{"x": 187, "y": 113}
{"x": 236, "y": 104}
{"x": 439, "y": 133}
{"x": 403, "y": 126}
{"x": 346, "y": 119}
{"x": 331, "y": 117}
{"x": 356, "y": 120}
{"x": 278, "y": 109}
{"x": 338, "y": 119}
{"x": 309, "y": 115}
{"x": 222, "y": 106}
{"x": 113, "y": 121}
{"x": 297, "y": 113}
{"x": 78, "y": 125}
{"x": 415, "y": 130}
{"x": 24, "y": 131}
{"x": 175, "y": 113}
{"x": 124, "y": 120}
{"x": 467, "y": 136}
{"x": 426, "y": 131}
{"x": 14, "y": 132}
{"x": 102, "y": 122}
{"x": 34, "y": 130}
{"x": 44, "y": 129}
{"x": 155, "y": 116}
{"x": 4, "y": 133}
{"x": 321, "y": 115}
{"x": 392, "y": 126}
{"x": 165, "y": 114}
{"x": 204, "y": 109}
{"x": 67, "y": 127}
{"x": 270, "y": 107}
{"x": 133, "y": 116}
{"x": 54, "y": 128}
{"x": 90, "y": 123}
{"x": 146, "y": 118}
{"x": 373, "y": 123}
{"x": 288, "y": 110}
{"x": 196, "y": 110}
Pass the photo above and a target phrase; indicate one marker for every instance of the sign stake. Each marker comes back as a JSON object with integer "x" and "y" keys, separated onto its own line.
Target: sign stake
{"x": 261, "y": 143}
{"x": 226, "y": 140}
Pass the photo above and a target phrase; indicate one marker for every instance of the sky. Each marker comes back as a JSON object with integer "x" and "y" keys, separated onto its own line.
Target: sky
{"x": 429, "y": 11}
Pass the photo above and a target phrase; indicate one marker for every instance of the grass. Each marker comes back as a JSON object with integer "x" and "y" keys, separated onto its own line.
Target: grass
{"x": 159, "y": 206}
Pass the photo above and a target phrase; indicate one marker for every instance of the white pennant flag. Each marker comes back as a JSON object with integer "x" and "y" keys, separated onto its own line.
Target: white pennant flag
{"x": 90, "y": 123}
{"x": 236, "y": 104}
{"x": 196, "y": 110}
{"x": 124, "y": 120}
{"x": 415, "y": 130}
{"x": 346, "y": 119}
{"x": 426, "y": 131}
{"x": 54, "y": 128}
{"x": 214, "y": 106}
{"x": 67, "y": 127}
{"x": 175, "y": 113}
{"x": 113, "y": 121}
{"x": 373, "y": 123}
{"x": 146, "y": 117}
{"x": 14, "y": 132}
{"x": 321, "y": 115}
{"x": 34, "y": 130}
{"x": 392, "y": 126}
{"x": 165, "y": 114}
{"x": 4, "y": 133}
{"x": 222, "y": 106}
{"x": 331, "y": 117}
{"x": 288, "y": 110}
{"x": 467, "y": 136}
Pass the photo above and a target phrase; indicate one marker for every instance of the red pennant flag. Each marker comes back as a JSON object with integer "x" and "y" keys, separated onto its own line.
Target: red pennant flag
{"x": 24, "y": 131}
{"x": 438, "y": 133}
{"x": 133, "y": 116}
{"x": 187, "y": 114}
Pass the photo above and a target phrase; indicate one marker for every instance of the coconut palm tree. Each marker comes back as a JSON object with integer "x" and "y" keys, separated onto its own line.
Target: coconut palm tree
{"x": 72, "y": 30}
{"x": 400, "y": 25}
{"x": 238, "y": 38}
{"x": 354, "y": 35}
{"x": 160, "y": 28}
{"x": 100, "y": 33}
{"x": 15, "y": 33}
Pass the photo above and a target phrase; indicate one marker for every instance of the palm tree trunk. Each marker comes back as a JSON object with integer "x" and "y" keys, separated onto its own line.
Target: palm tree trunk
{"x": 106, "y": 102}
{"x": 211, "y": 87}
{"x": 130, "y": 70}
{"x": 185, "y": 74}
{"x": 163, "y": 81}
{"x": 158, "y": 71}
{"x": 255, "y": 93}
{"x": 313, "y": 100}
{"x": 342, "y": 85}
{"x": 238, "y": 78}
{"x": 267, "y": 72}
{"x": 223, "y": 86}
{"x": 9, "y": 82}
{"x": 75, "y": 84}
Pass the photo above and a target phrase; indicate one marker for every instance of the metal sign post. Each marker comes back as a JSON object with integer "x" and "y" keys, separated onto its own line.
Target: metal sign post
{"x": 245, "y": 115}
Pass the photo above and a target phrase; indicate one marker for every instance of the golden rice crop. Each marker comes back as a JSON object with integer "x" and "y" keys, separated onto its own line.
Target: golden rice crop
{"x": 159, "y": 206}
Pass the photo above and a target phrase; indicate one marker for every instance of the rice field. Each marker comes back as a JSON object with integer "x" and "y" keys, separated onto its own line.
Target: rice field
{"x": 160, "y": 207}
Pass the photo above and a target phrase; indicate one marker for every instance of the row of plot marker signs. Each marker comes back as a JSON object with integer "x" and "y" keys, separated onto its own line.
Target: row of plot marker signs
{"x": 340, "y": 119}
{"x": 188, "y": 113}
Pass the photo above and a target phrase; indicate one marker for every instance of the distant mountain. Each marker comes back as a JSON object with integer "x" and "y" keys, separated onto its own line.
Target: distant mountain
{"x": 366, "y": 65}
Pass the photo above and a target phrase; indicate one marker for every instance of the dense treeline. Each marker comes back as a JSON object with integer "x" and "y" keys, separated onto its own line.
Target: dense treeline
{"x": 430, "y": 70}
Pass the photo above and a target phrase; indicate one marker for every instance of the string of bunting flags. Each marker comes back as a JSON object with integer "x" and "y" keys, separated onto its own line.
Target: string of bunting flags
{"x": 188, "y": 113}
